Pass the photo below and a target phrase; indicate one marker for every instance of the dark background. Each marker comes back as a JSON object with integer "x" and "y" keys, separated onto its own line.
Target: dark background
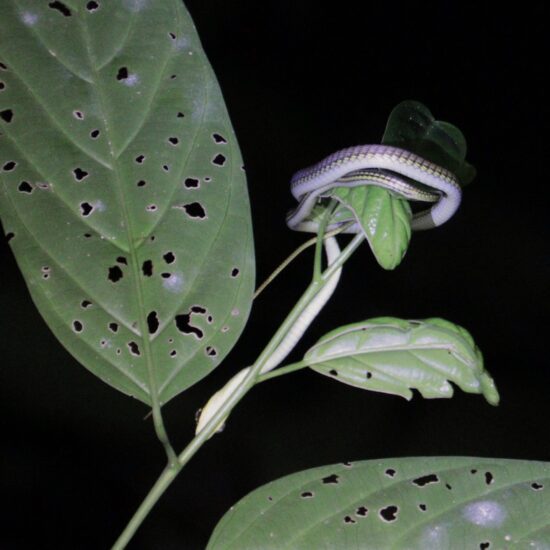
{"x": 302, "y": 80}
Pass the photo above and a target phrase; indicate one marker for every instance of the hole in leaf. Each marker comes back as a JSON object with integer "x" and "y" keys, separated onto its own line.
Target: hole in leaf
{"x": 172, "y": 35}
{"x": 347, "y": 464}
{"x": 332, "y": 479}
{"x": 113, "y": 327}
{"x": 80, "y": 174}
{"x": 77, "y": 326}
{"x": 2, "y": 86}
{"x": 86, "y": 208}
{"x": 85, "y": 304}
{"x": 173, "y": 140}
{"x": 61, "y": 8}
{"x": 484, "y": 545}
{"x": 122, "y": 260}
{"x": 211, "y": 352}
{"x": 140, "y": 159}
{"x": 368, "y": 375}
{"x": 422, "y": 507}
{"x": 165, "y": 275}
{"x": 173, "y": 77}
{"x": 6, "y": 115}
{"x": 183, "y": 324}
{"x": 3, "y": 66}
{"x": 426, "y": 480}
{"x": 489, "y": 478}
{"x": 349, "y": 520}
{"x": 180, "y": 115}
{"x": 307, "y": 494}
{"x": 169, "y": 258}
{"x": 389, "y": 513}
{"x": 87, "y": 235}
{"x": 78, "y": 115}
{"x": 94, "y": 134}
{"x": 25, "y": 187}
{"x": 134, "y": 349}
{"x": 166, "y": 168}
{"x": 191, "y": 183}
{"x": 537, "y": 486}
{"x": 9, "y": 236}
{"x": 235, "y": 272}
{"x": 9, "y": 166}
{"x": 151, "y": 207}
{"x": 362, "y": 511}
{"x": 141, "y": 183}
{"x": 147, "y": 268}
{"x": 473, "y": 471}
{"x": 92, "y": 6}
{"x": 115, "y": 274}
{"x": 219, "y": 138}
{"x": 449, "y": 486}
{"x": 194, "y": 210}
{"x": 152, "y": 322}
{"x": 173, "y": 353}
{"x": 390, "y": 472}
{"x": 219, "y": 160}
{"x": 333, "y": 372}
{"x": 198, "y": 309}
{"x": 210, "y": 319}
{"x": 122, "y": 73}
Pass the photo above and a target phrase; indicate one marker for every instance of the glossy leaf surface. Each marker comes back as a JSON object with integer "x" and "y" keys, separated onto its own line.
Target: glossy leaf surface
{"x": 384, "y": 219}
{"x": 404, "y": 503}
{"x": 392, "y": 356}
{"x": 122, "y": 189}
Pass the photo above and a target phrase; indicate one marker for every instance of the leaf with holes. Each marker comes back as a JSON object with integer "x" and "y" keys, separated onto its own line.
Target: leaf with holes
{"x": 122, "y": 189}
{"x": 413, "y": 503}
{"x": 390, "y": 355}
{"x": 384, "y": 219}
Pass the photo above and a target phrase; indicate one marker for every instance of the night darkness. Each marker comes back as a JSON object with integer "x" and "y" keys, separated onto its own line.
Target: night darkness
{"x": 302, "y": 79}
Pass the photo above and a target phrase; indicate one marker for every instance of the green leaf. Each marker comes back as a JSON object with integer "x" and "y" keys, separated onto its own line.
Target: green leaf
{"x": 412, "y": 126}
{"x": 383, "y": 218}
{"x": 392, "y": 355}
{"x": 413, "y": 503}
{"x": 122, "y": 189}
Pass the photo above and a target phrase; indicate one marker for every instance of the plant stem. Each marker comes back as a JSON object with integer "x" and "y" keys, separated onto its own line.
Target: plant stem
{"x": 281, "y": 371}
{"x": 172, "y": 470}
{"x": 317, "y": 263}
{"x": 294, "y": 255}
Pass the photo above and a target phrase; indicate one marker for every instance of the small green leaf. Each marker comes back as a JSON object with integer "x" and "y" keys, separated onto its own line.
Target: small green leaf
{"x": 412, "y": 126}
{"x": 392, "y": 356}
{"x": 383, "y": 218}
{"x": 402, "y": 503}
{"x": 121, "y": 183}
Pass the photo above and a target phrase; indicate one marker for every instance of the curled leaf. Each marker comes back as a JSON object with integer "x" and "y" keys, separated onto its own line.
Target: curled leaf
{"x": 384, "y": 219}
{"x": 391, "y": 355}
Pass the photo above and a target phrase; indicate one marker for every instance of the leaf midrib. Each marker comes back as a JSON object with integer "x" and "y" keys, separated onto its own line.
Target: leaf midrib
{"x": 126, "y": 219}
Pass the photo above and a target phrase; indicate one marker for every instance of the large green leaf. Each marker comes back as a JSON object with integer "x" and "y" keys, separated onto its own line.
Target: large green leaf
{"x": 122, "y": 189}
{"x": 403, "y": 503}
{"x": 391, "y": 355}
{"x": 384, "y": 219}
